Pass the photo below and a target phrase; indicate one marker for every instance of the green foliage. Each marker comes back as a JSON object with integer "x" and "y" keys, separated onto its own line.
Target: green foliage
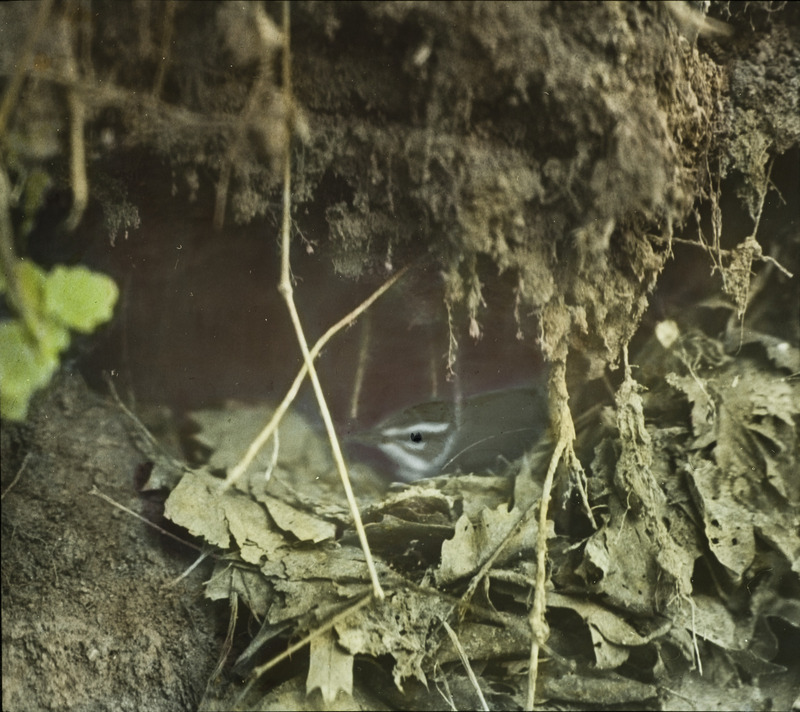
{"x": 79, "y": 298}
{"x": 24, "y": 368}
{"x": 51, "y": 304}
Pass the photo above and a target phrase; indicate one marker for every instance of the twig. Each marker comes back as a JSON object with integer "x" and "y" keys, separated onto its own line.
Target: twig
{"x": 361, "y": 368}
{"x": 462, "y": 654}
{"x": 262, "y": 438}
{"x": 286, "y": 291}
{"x": 79, "y": 180}
{"x": 199, "y": 560}
{"x": 228, "y": 643}
{"x": 97, "y": 493}
{"x": 17, "y": 476}
{"x": 285, "y": 288}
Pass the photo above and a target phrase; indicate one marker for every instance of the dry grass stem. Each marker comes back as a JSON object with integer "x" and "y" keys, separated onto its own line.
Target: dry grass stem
{"x": 462, "y": 654}
{"x": 228, "y": 643}
{"x": 334, "y": 441}
{"x": 285, "y": 288}
{"x": 97, "y": 493}
{"x": 361, "y": 368}
{"x": 262, "y": 438}
{"x": 17, "y": 476}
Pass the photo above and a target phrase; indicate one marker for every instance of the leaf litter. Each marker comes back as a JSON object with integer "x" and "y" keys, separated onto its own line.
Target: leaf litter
{"x": 695, "y": 491}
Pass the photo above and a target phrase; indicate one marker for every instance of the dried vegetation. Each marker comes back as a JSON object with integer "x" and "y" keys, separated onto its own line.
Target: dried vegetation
{"x": 570, "y": 146}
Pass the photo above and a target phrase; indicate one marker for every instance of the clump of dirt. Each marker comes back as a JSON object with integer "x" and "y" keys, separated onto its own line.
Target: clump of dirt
{"x": 92, "y": 615}
{"x": 565, "y": 156}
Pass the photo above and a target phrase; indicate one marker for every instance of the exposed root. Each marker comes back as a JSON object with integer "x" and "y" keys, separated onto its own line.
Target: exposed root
{"x": 564, "y": 431}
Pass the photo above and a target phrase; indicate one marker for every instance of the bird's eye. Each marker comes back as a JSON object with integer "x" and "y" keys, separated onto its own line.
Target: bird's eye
{"x": 416, "y": 437}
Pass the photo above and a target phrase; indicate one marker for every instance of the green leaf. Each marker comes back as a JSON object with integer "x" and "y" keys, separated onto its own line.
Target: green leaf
{"x": 79, "y": 298}
{"x": 53, "y": 337}
{"x": 31, "y": 279}
{"x": 24, "y": 368}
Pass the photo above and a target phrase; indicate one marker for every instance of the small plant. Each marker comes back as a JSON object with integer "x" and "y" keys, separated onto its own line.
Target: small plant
{"x": 49, "y": 305}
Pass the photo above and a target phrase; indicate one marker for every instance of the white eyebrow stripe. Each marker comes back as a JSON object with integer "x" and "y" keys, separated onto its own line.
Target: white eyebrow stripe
{"x": 434, "y": 427}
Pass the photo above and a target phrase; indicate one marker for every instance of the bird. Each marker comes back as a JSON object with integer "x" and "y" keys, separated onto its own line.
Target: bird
{"x": 468, "y": 435}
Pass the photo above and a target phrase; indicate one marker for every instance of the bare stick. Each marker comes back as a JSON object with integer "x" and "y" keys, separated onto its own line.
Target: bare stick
{"x": 285, "y": 288}
{"x": 78, "y": 177}
{"x": 97, "y": 493}
{"x": 199, "y": 560}
{"x": 18, "y": 475}
{"x": 462, "y": 654}
{"x": 255, "y": 447}
{"x": 361, "y": 368}
{"x": 228, "y": 644}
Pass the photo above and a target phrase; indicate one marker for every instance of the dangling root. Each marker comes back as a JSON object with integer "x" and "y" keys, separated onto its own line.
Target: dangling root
{"x": 564, "y": 434}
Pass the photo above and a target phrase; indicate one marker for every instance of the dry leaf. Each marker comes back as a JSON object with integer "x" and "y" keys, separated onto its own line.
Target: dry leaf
{"x": 330, "y": 669}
